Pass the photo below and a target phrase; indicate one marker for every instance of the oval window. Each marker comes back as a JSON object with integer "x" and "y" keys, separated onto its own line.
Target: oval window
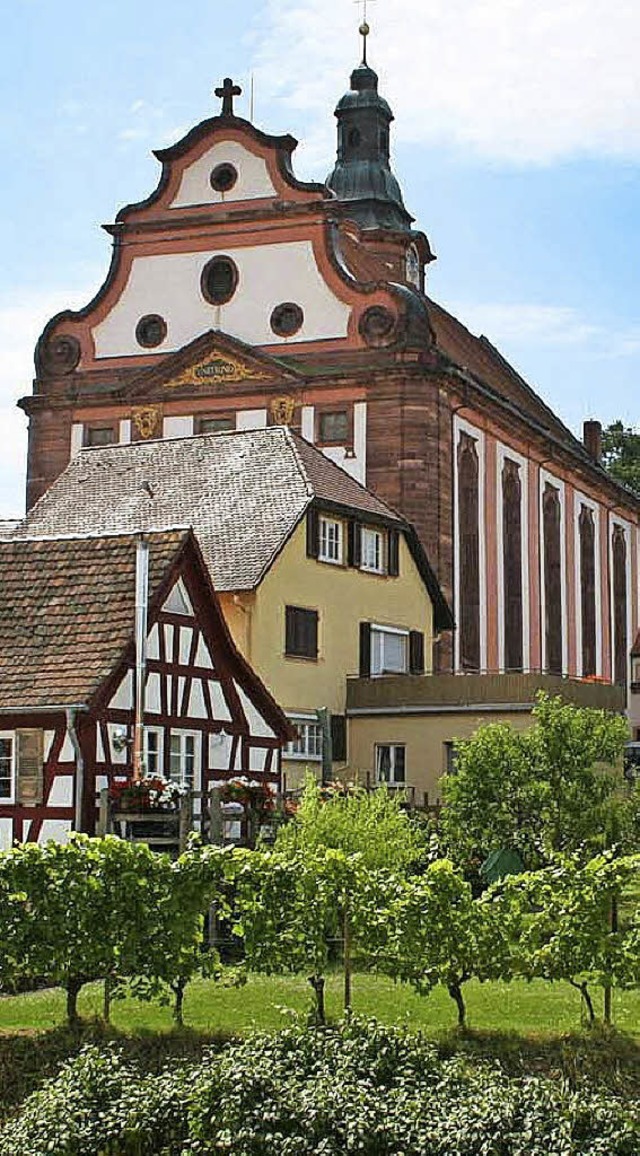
{"x": 223, "y": 178}
{"x": 287, "y": 319}
{"x": 151, "y": 330}
{"x": 219, "y": 280}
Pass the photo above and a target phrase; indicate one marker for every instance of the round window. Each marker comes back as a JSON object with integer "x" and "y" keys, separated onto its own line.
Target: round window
{"x": 219, "y": 280}
{"x": 151, "y": 330}
{"x": 223, "y": 178}
{"x": 287, "y": 319}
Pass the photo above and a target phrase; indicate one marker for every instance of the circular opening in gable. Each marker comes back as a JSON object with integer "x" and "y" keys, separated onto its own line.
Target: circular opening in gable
{"x": 219, "y": 280}
{"x": 287, "y": 319}
{"x": 223, "y": 178}
{"x": 151, "y": 330}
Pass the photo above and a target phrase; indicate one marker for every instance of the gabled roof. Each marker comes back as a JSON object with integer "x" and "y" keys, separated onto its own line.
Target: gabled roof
{"x": 243, "y": 493}
{"x": 67, "y": 612}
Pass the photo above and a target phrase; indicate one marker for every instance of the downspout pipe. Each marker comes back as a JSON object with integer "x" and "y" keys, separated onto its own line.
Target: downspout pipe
{"x": 71, "y": 715}
{"x": 141, "y": 615}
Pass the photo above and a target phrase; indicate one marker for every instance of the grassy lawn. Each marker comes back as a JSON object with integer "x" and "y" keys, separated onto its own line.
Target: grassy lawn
{"x": 268, "y": 1003}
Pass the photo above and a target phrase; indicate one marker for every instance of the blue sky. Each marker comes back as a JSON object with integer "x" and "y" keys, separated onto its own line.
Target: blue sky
{"x": 517, "y": 143}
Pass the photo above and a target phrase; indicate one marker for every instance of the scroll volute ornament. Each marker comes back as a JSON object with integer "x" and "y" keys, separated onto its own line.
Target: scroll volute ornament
{"x": 59, "y": 354}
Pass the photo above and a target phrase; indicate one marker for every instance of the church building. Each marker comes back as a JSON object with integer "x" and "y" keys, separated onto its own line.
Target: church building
{"x": 240, "y": 297}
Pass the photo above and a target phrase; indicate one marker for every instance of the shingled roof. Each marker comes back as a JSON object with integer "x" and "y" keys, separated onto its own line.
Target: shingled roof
{"x": 243, "y": 493}
{"x": 67, "y": 609}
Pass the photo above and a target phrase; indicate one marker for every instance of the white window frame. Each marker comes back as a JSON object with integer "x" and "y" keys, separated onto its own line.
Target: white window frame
{"x": 392, "y": 781}
{"x": 158, "y": 734}
{"x": 371, "y": 536}
{"x": 305, "y": 722}
{"x": 331, "y": 541}
{"x": 388, "y": 631}
{"x": 11, "y": 797}
{"x": 183, "y": 778}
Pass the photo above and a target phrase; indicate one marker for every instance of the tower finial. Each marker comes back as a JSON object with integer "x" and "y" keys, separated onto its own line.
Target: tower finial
{"x": 364, "y": 29}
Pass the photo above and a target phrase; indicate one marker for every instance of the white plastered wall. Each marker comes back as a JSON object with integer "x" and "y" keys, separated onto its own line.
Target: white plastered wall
{"x": 253, "y": 177}
{"x": 169, "y": 284}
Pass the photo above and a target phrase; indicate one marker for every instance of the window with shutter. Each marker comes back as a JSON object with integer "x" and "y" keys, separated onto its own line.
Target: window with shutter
{"x": 7, "y": 766}
{"x": 389, "y": 650}
{"x": 301, "y": 632}
{"x": 391, "y": 764}
{"x": 365, "y": 649}
{"x": 339, "y": 738}
{"x": 416, "y": 652}
{"x": 29, "y": 766}
{"x": 313, "y": 533}
{"x": 354, "y": 544}
{"x": 393, "y": 549}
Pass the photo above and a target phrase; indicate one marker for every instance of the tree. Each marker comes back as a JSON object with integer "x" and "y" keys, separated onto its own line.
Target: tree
{"x": 428, "y": 929}
{"x": 555, "y": 787}
{"x": 621, "y": 454}
{"x": 372, "y": 824}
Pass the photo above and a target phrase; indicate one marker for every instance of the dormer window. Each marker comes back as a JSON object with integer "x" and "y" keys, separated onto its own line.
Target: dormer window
{"x": 372, "y": 550}
{"x": 330, "y": 541}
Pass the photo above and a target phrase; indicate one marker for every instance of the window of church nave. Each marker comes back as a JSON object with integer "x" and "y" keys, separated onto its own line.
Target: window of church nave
{"x": 619, "y": 580}
{"x": 552, "y": 577}
{"x": 512, "y": 564}
{"x": 334, "y": 427}
{"x": 469, "y": 547}
{"x": 214, "y": 423}
{"x": 100, "y": 435}
{"x": 587, "y": 538}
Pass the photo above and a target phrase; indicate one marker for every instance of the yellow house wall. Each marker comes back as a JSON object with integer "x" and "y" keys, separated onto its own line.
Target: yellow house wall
{"x": 424, "y": 737}
{"x": 343, "y": 597}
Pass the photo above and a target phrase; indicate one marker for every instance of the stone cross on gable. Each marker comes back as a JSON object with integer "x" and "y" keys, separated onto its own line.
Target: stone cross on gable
{"x": 226, "y": 94}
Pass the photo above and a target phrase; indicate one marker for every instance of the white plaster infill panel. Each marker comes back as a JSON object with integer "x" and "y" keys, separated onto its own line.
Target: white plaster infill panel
{"x": 57, "y": 829}
{"x": 6, "y": 834}
{"x": 169, "y": 284}
{"x": 61, "y": 793}
{"x": 177, "y": 427}
{"x": 253, "y": 180}
{"x": 251, "y": 419}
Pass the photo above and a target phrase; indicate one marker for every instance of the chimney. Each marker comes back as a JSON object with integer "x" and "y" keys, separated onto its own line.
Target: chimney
{"x": 592, "y": 439}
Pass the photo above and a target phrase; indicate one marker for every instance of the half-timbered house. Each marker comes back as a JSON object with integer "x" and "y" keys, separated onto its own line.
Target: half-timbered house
{"x": 68, "y": 608}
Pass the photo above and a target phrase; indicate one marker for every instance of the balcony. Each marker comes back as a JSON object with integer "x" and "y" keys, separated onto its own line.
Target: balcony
{"x": 448, "y": 693}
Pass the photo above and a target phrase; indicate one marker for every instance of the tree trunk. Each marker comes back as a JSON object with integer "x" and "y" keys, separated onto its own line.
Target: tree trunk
{"x": 317, "y": 983}
{"x": 73, "y": 990}
{"x": 346, "y": 951}
{"x": 455, "y": 991}
{"x": 586, "y": 997}
{"x": 178, "y": 1008}
{"x": 613, "y": 925}
{"x": 106, "y": 1003}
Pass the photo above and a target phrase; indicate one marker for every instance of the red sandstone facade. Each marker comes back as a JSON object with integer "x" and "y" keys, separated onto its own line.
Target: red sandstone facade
{"x": 535, "y": 547}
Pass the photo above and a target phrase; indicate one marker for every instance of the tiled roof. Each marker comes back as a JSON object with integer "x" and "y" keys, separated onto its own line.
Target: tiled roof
{"x": 67, "y": 608}
{"x": 243, "y": 493}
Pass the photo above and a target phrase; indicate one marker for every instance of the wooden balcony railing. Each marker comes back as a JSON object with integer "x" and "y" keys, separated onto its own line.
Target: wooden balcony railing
{"x": 430, "y": 693}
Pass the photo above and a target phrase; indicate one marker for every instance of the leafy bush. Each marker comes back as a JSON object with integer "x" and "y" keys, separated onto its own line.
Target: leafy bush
{"x": 366, "y": 1089}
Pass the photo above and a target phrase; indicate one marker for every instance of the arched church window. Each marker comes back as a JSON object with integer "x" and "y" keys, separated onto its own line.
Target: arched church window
{"x": 552, "y": 562}
{"x": 619, "y": 581}
{"x": 587, "y": 536}
{"x": 512, "y": 564}
{"x": 469, "y": 547}
{"x": 219, "y": 280}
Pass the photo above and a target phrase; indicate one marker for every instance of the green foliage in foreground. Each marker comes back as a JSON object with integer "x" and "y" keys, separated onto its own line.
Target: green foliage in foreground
{"x": 557, "y": 787}
{"x": 362, "y": 1088}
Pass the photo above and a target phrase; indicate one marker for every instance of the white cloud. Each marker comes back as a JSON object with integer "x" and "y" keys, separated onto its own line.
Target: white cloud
{"x": 22, "y": 319}
{"x": 526, "y": 323}
{"x": 507, "y": 79}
